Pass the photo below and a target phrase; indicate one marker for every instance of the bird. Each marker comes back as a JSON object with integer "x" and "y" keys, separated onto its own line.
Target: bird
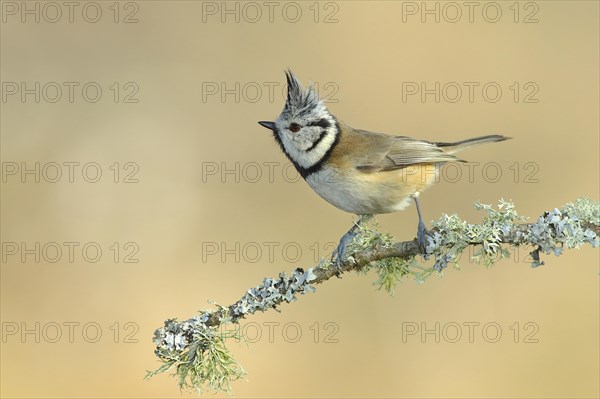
{"x": 359, "y": 171}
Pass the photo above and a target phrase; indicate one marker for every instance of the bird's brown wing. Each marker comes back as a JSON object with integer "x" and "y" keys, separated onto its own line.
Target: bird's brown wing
{"x": 391, "y": 153}
{"x": 405, "y": 151}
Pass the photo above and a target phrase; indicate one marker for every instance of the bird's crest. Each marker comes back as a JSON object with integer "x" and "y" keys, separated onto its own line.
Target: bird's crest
{"x": 300, "y": 101}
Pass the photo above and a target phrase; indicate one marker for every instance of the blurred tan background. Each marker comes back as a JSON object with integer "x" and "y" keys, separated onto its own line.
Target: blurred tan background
{"x": 182, "y": 215}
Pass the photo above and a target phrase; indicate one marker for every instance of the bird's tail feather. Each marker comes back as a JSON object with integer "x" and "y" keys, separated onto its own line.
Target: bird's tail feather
{"x": 457, "y": 146}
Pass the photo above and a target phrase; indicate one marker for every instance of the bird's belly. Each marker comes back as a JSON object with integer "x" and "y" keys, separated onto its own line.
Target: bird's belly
{"x": 366, "y": 193}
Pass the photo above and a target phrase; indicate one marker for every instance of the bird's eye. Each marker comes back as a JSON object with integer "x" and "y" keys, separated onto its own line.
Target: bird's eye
{"x": 294, "y": 128}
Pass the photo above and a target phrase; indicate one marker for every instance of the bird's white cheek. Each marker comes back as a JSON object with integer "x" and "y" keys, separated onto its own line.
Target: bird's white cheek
{"x": 301, "y": 142}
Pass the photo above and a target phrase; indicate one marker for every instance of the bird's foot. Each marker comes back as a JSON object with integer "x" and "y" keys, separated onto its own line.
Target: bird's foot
{"x": 422, "y": 234}
{"x": 340, "y": 252}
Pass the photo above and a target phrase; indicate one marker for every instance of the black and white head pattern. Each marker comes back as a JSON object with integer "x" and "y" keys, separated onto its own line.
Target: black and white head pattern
{"x": 306, "y": 131}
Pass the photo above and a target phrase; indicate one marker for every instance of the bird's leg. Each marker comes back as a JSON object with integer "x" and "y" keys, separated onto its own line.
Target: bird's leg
{"x": 338, "y": 255}
{"x": 422, "y": 231}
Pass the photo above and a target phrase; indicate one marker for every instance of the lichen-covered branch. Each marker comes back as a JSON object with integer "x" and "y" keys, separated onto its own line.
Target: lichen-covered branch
{"x": 195, "y": 348}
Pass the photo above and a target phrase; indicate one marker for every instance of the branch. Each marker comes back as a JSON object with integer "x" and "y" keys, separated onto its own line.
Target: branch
{"x": 196, "y": 349}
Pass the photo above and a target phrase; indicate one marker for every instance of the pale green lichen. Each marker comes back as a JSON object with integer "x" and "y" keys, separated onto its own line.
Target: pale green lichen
{"x": 495, "y": 228}
{"x": 389, "y": 270}
{"x": 198, "y": 355}
{"x": 584, "y": 209}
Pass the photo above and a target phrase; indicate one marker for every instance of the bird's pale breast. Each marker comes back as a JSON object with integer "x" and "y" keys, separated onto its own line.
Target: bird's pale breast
{"x": 371, "y": 193}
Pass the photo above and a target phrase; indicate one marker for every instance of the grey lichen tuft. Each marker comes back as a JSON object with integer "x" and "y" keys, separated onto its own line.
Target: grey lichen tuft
{"x": 272, "y": 292}
{"x": 494, "y": 230}
{"x": 557, "y": 229}
{"x": 197, "y": 353}
{"x": 585, "y": 210}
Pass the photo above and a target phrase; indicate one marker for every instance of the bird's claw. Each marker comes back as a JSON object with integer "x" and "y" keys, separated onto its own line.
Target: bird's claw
{"x": 340, "y": 252}
{"x": 422, "y": 234}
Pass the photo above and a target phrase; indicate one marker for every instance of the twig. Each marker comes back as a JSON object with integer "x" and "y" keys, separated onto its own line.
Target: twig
{"x": 190, "y": 346}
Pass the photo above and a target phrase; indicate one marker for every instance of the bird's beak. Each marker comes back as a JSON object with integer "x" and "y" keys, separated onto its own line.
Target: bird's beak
{"x": 268, "y": 125}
